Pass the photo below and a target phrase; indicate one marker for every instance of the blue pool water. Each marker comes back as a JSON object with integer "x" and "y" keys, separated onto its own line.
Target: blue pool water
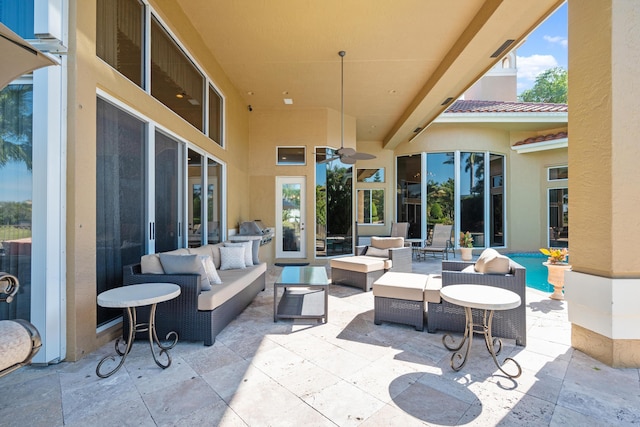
{"x": 536, "y": 272}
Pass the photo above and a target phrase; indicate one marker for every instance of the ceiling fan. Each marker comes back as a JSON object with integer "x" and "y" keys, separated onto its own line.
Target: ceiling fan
{"x": 345, "y": 155}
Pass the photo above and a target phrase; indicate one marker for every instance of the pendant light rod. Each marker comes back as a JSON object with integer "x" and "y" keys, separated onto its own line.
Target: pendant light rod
{"x": 342, "y": 53}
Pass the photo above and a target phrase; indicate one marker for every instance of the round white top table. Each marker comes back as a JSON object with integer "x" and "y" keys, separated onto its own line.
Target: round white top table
{"x": 138, "y": 295}
{"x": 130, "y": 297}
{"x": 480, "y": 296}
{"x": 489, "y": 299}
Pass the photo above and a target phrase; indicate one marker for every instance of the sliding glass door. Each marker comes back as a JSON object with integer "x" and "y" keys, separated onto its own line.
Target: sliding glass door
{"x": 121, "y": 223}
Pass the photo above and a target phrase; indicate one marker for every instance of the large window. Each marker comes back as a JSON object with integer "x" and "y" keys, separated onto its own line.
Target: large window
{"x": 16, "y": 183}
{"x": 334, "y": 192}
{"x": 559, "y": 217}
{"x": 215, "y": 116}
{"x": 175, "y": 79}
{"x": 457, "y": 193}
{"x": 203, "y": 204}
{"x": 120, "y": 198}
{"x": 119, "y": 36}
{"x": 440, "y": 190}
{"x": 472, "y": 200}
{"x": 370, "y": 207}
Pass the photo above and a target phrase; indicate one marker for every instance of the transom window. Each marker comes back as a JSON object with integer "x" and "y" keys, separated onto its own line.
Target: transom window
{"x": 175, "y": 78}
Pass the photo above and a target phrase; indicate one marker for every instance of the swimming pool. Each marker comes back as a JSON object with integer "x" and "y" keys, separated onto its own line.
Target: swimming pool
{"x": 536, "y": 272}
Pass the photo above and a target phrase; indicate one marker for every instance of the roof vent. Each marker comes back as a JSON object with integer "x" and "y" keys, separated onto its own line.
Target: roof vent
{"x": 502, "y": 48}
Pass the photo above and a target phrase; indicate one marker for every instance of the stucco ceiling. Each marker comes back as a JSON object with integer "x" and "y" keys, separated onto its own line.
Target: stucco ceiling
{"x": 404, "y": 57}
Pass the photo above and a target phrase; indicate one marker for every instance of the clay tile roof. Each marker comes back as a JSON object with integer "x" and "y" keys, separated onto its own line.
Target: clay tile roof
{"x": 542, "y": 138}
{"x": 470, "y": 106}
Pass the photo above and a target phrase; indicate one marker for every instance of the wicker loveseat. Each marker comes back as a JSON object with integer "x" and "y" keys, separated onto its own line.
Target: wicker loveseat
{"x": 198, "y": 315}
{"x": 510, "y": 324}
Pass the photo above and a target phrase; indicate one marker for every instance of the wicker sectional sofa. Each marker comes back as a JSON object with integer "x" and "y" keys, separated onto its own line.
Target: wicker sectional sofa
{"x": 198, "y": 315}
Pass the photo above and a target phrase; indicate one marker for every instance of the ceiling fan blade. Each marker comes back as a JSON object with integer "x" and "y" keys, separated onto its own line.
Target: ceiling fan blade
{"x": 362, "y": 156}
{"x": 329, "y": 159}
{"x": 348, "y": 160}
{"x": 346, "y": 151}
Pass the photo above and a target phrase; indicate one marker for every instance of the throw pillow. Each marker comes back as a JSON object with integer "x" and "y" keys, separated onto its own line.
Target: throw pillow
{"x": 469, "y": 269}
{"x": 255, "y": 247}
{"x": 491, "y": 262}
{"x": 210, "y": 268}
{"x": 383, "y": 253}
{"x": 150, "y": 264}
{"x": 248, "y": 254}
{"x": 231, "y": 257}
{"x": 185, "y": 264}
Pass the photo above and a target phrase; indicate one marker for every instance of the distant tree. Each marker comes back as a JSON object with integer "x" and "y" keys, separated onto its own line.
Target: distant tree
{"x": 15, "y": 124}
{"x": 551, "y": 86}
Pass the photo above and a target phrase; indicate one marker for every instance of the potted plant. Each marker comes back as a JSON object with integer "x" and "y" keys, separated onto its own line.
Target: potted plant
{"x": 466, "y": 246}
{"x": 557, "y": 265}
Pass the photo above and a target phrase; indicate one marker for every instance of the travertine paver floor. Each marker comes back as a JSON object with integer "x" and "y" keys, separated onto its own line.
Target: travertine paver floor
{"x": 348, "y": 372}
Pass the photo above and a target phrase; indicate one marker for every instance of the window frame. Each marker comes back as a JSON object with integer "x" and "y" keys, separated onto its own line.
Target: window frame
{"x": 279, "y": 156}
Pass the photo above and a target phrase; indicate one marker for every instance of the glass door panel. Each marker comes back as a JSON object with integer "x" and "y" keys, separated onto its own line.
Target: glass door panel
{"x": 214, "y": 201}
{"x": 195, "y": 198}
{"x": 290, "y": 218}
{"x": 440, "y": 190}
{"x": 167, "y": 201}
{"x": 472, "y": 196}
{"x": 120, "y": 198}
{"x": 409, "y": 194}
{"x": 16, "y": 184}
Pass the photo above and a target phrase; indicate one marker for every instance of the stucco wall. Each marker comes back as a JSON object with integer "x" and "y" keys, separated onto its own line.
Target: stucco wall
{"x": 87, "y": 73}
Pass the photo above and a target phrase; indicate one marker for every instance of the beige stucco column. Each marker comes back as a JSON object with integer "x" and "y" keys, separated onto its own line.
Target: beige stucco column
{"x": 603, "y": 290}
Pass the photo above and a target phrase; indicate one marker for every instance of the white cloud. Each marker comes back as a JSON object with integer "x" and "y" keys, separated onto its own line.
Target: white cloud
{"x": 557, "y": 40}
{"x": 530, "y": 66}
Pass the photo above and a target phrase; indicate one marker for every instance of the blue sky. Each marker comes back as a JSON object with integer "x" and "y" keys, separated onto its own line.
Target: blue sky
{"x": 545, "y": 48}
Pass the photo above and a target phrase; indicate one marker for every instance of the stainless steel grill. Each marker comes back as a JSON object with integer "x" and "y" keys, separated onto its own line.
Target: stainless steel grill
{"x": 256, "y": 228}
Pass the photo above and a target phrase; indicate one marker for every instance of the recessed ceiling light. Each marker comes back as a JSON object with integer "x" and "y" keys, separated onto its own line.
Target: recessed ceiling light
{"x": 180, "y": 95}
{"x": 288, "y": 101}
{"x": 250, "y": 93}
{"x": 393, "y": 92}
{"x": 285, "y": 92}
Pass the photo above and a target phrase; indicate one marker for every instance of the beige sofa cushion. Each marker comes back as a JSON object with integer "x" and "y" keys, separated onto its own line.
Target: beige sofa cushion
{"x": 361, "y": 263}
{"x": 432, "y": 289}
{"x": 407, "y": 286}
{"x": 209, "y": 250}
{"x": 387, "y": 242}
{"x": 233, "y": 281}
{"x": 491, "y": 262}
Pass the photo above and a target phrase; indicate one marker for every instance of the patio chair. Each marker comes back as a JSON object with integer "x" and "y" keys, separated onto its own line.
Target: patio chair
{"x": 400, "y": 229}
{"x": 511, "y": 324}
{"x": 440, "y": 242}
{"x": 19, "y": 339}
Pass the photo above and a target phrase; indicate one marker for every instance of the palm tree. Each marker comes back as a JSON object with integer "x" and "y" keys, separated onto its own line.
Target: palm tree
{"x": 16, "y": 118}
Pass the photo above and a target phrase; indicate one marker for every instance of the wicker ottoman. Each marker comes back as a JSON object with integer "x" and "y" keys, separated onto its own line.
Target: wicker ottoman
{"x": 399, "y": 298}
{"x": 359, "y": 271}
